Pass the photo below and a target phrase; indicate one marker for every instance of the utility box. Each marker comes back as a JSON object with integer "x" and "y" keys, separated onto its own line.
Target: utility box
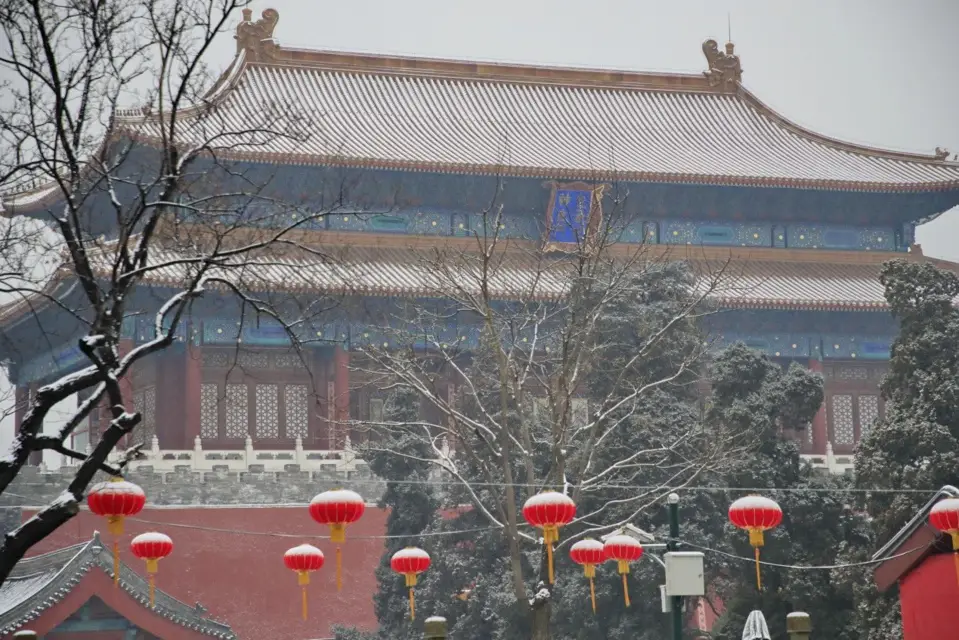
{"x": 684, "y": 574}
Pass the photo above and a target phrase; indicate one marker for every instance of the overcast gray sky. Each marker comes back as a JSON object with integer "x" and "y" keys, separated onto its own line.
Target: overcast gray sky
{"x": 878, "y": 72}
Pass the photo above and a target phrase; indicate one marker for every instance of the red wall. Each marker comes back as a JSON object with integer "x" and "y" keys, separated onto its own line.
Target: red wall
{"x": 240, "y": 578}
{"x": 928, "y": 595}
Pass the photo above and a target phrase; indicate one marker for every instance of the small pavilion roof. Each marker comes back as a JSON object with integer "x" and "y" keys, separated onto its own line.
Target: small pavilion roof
{"x": 437, "y": 115}
{"x": 39, "y": 583}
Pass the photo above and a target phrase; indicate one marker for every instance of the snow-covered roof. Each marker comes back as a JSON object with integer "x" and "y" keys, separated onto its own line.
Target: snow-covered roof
{"x": 40, "y": 582}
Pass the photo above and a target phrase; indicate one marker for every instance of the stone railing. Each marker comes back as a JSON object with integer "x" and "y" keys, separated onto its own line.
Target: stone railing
{"x": 247, "y": 459}
{"x": 831, "y": 462}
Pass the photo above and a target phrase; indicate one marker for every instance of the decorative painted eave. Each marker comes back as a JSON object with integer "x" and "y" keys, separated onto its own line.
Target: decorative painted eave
{"x": 482, "y": 118}
{"x": 39, "y": 583}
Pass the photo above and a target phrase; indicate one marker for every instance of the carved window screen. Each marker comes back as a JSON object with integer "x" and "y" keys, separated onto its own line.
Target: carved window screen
{"x": 868, "y": 413}
{"x": 237, "y": 411}
{"x": 267, "y": 425}
{"x": 296, "y": 404}
{"x": 843, "y": 423}
{"x": 209, "y": 410}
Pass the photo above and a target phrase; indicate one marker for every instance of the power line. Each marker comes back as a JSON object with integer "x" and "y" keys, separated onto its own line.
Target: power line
{"x": 824, "y": 567}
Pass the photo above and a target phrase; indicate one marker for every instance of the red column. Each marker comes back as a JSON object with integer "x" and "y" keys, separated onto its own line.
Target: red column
{"x": 819, "y": 430}
{"x": 192, "y": 363}
{"x": 320, "y": 399}
{"x": 341, "y": 386}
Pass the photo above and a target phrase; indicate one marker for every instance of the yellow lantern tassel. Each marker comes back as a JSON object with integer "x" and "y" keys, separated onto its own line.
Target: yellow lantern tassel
{"x": 592, "y": 594}
{"x": 756, "y": 540}
{"x": 550, "y": 535}
{"x": 116, "y": 563}
{"x": 589, "y": 570}
{"x": 115, "y": 527}
{"x": 412, "y": 605}
{"x": 626, "y": 590}
{"x": 303, "y": 579}
{"x": 153, "y": 604}
{"x": 339, "y": 569}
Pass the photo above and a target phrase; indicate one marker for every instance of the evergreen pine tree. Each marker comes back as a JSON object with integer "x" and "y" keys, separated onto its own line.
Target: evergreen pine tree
{"x": 916, "y": 444}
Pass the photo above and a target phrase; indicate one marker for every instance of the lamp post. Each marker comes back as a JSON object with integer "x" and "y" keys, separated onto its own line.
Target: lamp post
{"x": 673, "y": 546}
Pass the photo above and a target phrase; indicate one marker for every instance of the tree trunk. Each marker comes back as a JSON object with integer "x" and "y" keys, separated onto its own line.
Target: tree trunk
{"x": 540, "y": 621}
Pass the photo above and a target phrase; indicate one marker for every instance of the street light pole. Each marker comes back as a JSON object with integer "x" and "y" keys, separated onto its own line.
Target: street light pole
{"x": 673, "y": 545}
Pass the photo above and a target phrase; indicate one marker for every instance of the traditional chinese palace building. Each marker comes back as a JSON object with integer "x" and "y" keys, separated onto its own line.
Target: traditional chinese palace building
{"x": 424, "y": 145}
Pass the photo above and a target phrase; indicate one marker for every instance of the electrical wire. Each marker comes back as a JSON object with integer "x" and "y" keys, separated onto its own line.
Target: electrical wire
{"x": 798, "y": 567}
{"x": 273, "y": 534}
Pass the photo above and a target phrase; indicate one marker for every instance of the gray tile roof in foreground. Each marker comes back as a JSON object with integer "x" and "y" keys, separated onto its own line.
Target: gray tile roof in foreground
{"x": 38, "y": 583}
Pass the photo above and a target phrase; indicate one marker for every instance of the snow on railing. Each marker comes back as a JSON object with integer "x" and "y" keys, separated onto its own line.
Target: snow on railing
{"x": 249, "y": 458}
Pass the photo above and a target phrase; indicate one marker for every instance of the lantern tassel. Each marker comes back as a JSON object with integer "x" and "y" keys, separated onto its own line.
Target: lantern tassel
{"x": 303, "y": 578}
{"x": 759, "y": 584}
{"x": 412, "y": 605}
{"x": 153, "y": 604}
{"x": 549, "y": 561}
{"x": 116, "y": 563}
{"x": 303, "y": 601}
{"x": 339, "y": 569}
{"x": 592, "y": 594}
{"x": 626, "y": 590}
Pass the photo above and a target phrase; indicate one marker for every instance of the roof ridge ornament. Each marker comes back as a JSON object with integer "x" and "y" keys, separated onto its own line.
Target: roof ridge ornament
{"x": 941, "y": 154}
{"x": 256, "y": 38}
{"x": 725, "y": 70}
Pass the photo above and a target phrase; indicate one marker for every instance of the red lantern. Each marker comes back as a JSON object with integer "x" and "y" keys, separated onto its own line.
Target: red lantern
{"x": 116, "y": 500}
{"x": 623, "y": 549}
{"x": 410, "y": 562}
{"x": 755, "y": 514}
{"x": 945, "y": 517}
{"x": 337, "y": 509}
{"x": 303, "y": 559}
{"x": 549, "y": 511}
{"x": 152, "y": 547}
{"x": 588, "y": 553}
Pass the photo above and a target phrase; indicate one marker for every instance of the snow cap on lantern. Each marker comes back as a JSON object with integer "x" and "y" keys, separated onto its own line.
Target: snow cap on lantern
{"x": 303, "y": 559}
{"x": 549, "y": 511}
{"x": 755, "y": 514}
{"x": 623, "y": 549}
{"x": 115, "y": 500}
{"x": 152, "y": 547}
{"x": 409, "y": 563}
{"x": 589, "y": 553}
{"x": 337, "y": 508}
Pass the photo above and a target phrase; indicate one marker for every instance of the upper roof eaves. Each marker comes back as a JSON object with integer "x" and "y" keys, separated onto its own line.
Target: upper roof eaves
{"x": 489, "y": 118}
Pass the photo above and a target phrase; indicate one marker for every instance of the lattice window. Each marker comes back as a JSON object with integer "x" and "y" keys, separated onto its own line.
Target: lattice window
{"x": 296, "y": 403}
{"x": 209, "y": 410}
{"x": 853, "y": 373}
{"x": 843, "y": 428}
{"x": 868, "y": 413}
{"x": 267, "y": 411}
{"x": 288, "y": 361}
{"x": 237, "y": 411}
{"x": 216, "y": 359}
{"x": 149, "y": 424}
{"x": 253, "y": 360}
